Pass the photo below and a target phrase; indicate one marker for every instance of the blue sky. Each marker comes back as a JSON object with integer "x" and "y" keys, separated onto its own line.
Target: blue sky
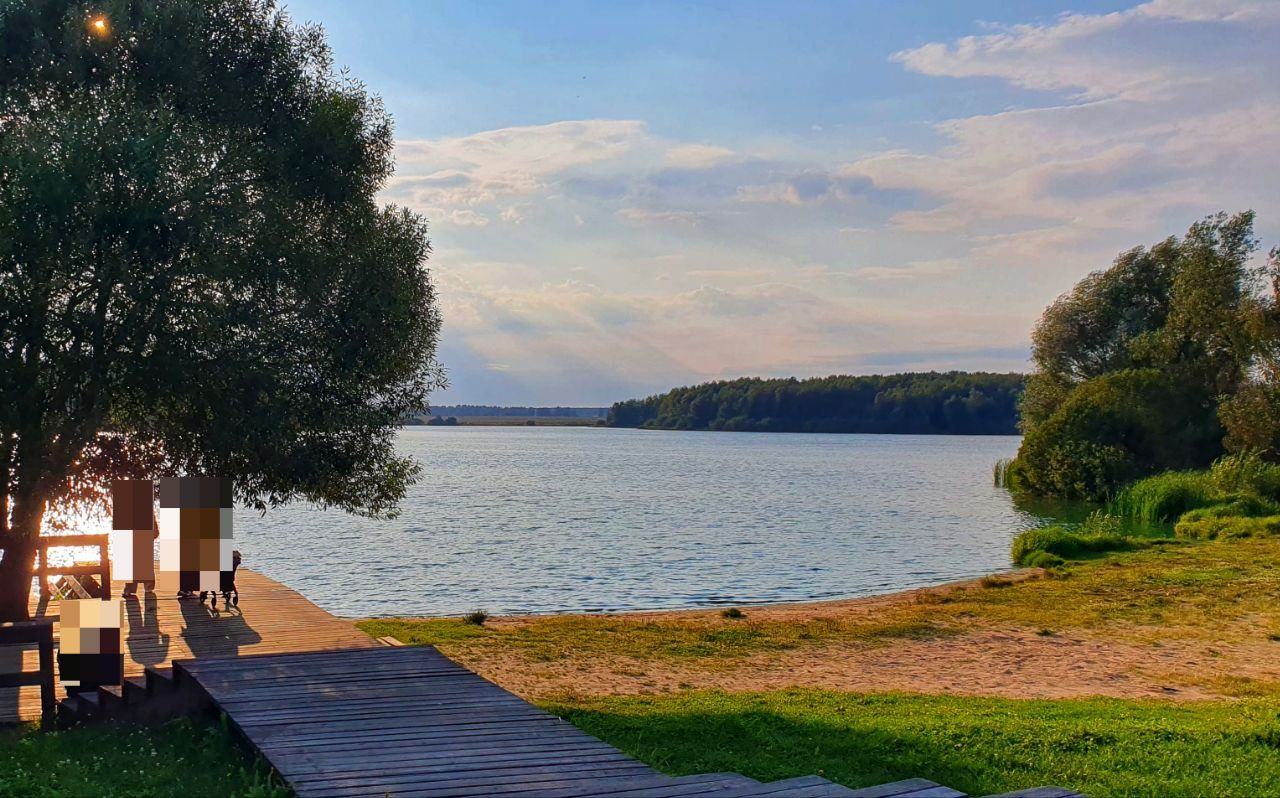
{"x": 628, "y": 197}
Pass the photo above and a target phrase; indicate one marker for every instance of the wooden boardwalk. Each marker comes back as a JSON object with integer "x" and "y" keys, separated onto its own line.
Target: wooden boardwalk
{"x": 158, "y": 629}
{"x": 411, "y": 723}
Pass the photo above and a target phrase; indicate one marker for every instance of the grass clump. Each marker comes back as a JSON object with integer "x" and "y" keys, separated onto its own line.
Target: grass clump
{"x": 977, "y": 745}
{"x": 183, "y": 758}
{"x": 733, "y": 614}
{"x": 993, "y": 582}
{"x": 1164, "y": 497}
{"x": 475, "y": 617}
{"x": 1209, "y": 526}
{"x": 714, "y": 641}
{"x": 1054, "y": 544}
{"x": 1042, "y": 559}
{"x": 1247, "y": 474}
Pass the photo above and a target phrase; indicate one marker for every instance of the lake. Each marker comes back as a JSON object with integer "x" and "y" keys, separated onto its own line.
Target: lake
{"x": 563, "y": 519}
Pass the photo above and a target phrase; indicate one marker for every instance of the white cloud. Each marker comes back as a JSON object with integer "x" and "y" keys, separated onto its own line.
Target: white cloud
{"x": 648, "y": 261}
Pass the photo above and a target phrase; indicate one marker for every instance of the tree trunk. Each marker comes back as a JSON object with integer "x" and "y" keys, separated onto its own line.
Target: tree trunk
{"x": 19, "y": 560}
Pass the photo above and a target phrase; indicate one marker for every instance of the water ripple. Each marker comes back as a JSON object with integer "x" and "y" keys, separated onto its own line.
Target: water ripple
{"x": 545, "y": 519}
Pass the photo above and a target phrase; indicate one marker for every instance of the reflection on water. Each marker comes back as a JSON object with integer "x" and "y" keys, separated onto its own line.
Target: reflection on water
{"x": 543, "y": 519}
{"x": 547, "y": 519}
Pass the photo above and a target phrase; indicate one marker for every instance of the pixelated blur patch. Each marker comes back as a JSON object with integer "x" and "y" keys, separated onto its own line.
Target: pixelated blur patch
{"x": 132, "y": 504}
{"x": 195, "y": 534}
{"x": 89, "y": 649}
{"x": 133, "y": 522}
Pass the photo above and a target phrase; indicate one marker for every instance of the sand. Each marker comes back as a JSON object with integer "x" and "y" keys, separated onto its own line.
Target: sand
{"x": 982, "y": 661}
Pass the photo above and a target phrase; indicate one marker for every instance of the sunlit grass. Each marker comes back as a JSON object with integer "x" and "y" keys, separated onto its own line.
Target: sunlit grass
{"x": 1191, "y": 589}
{"x": 586, "y": 637}
{"x": 1103, "y": 747}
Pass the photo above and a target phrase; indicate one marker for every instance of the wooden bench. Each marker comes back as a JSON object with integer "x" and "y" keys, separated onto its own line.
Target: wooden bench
{"x": 25, "y": 633}
{"x": 102, "y": 569}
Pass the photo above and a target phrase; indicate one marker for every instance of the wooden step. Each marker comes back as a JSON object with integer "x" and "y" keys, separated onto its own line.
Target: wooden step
{"x": 68, "y": 713}
{"x": 160, "y": 681}
{"x": 135, "y": 690}
{"x": 111, "y": 700}
{"x": 710, "y": 785}
{"x": 908, "y": 788}
{"x": 1041, "y": 792}
{"x": 87, "y": 705}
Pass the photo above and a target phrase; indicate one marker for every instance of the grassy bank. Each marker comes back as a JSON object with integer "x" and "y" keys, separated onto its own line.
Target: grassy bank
{"x": 1172, "y": 589}
{"x": 978, "y": 745}
{"x": 181, "y": 759}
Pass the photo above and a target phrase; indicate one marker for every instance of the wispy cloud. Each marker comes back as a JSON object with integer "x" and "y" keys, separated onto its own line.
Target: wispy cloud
{"x": 639, "y": 260}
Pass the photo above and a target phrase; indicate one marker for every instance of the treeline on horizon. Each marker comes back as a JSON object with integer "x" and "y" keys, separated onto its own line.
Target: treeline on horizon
{"x": 467, "y": 411}
{"x": 927, "y": 403}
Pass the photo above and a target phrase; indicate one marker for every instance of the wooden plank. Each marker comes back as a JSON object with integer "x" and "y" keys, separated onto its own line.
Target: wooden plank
{"x": 55, "y": 541}
{"x": 1041, "y": 792}
{"x": 271, "y": 619}
{"x": 895, "y": 789}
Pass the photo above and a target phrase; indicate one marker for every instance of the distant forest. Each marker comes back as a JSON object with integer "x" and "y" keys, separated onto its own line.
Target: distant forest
{"x": 951, "y": 403}
{"x": 466, "y": 411}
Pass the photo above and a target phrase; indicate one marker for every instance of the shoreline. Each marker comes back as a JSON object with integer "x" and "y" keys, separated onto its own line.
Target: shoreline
{"x": 1013, "y": 575}
{"x": 1178, "y": 623}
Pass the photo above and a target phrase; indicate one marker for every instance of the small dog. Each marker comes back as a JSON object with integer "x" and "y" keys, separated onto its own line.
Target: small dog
{"x": 230, "y": 597}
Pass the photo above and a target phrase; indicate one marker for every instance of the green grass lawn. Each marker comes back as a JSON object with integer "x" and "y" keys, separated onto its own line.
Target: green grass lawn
{"x": 182, "y": 759}
{"x": 1103, "y": 747}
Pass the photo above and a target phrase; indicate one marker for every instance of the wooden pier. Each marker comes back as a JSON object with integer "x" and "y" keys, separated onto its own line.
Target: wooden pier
{"x": 158, "y": 629}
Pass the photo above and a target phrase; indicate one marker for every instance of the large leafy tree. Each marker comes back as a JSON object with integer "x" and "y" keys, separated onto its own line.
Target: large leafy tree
{"x": 195, "y": 275}
{"x": 1140, "y": 365}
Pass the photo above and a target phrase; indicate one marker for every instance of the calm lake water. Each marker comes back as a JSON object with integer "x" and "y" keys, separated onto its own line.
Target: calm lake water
{"x": 562, "y": 519}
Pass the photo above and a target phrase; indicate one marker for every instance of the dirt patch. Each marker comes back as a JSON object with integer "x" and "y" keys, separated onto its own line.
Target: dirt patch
{"x": 976, "y": 659}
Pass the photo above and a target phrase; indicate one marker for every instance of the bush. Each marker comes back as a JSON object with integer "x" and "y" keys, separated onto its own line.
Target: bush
{"x": 1165, "y": 497}
{"x": 1065, "y": 544}
{"x": 733, "y": 613}
{"x": 1247, "y": 474}
{"x": 1042, "y": 559}
{"x": 1210, "y": 527}
{"x": 1238, "y": 507}
{"x": 1110, "y": 430}
{"x": 476, "y": 617}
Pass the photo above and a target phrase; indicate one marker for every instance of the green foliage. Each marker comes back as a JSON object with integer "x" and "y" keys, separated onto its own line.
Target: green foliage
{"x": 1247, "y": 473}
{"x": 115, "y": 760}
{"x": 1106, "y": 433}
{"x": 929, "y": 403}
{"x": 733, "y": 613}
{"x": 195, "y": 271}
{"x": 1208, "y": 526}
{"x": 1252, "y": 416}
{"x": 1037, "y": 558}
{"x": 1006, "y": 474}
{"x": 475, "y": 617}
{"x": 1134, "y": 363}
{"x": 1029, "y": 546}
{"x": 1165, "y": 497}
{"x": 977, "y": 745}
{"x": 1233, "y": 507}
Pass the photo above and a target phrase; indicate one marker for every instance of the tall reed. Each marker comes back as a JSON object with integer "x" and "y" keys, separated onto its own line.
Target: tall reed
{"x": 1164, "y": 497}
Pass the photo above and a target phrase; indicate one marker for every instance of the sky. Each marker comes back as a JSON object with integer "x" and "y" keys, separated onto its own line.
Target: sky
{"x": 627, "y": 197}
